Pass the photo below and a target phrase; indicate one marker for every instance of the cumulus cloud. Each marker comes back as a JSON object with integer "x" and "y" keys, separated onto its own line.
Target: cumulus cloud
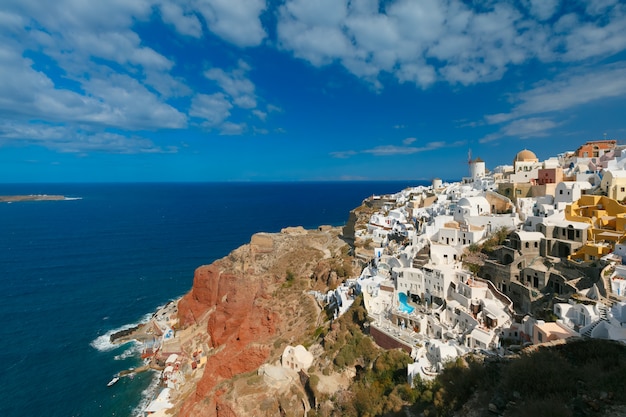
{"x": 115, "y": 101}
{"x": 453, "y": 41}
{"x": 230, "y": 128}
{"x": 236, "y": 21}
{"x": 237, "y": 92}
{"x": 99, "y": 73}
{"x": 235, "y": 84}
{"x": 542, "y": 9}
{"x": 260, "y": 114}
{"x": 181, "y": 16}
{"x": 213, "y": 108}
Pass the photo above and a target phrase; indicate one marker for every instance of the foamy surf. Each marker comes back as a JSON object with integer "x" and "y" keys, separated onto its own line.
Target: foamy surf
{"x": 132, "y": 351}
{"x": 147, "y": 395}
{"x": 103, "y": 342}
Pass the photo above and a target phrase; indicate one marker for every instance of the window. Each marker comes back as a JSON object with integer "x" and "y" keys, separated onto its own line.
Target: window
{"x": 527, "y": 245}
{"x": 535, "y": 282}
{"x": 536, "y": 244}
{"x": 561, "y": 192}
{"x": 540, "y": 337}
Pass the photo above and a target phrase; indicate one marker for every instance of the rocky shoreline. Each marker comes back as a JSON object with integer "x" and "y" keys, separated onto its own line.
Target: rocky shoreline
{"x": 241, "y": 312}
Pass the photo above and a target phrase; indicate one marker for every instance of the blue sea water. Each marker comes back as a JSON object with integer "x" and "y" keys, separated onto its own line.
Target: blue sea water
{"x": 72, "y": 272}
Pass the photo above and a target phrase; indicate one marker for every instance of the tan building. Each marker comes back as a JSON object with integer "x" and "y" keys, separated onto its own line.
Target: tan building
{"x": 520, "y": 182}
{"x": 526, "y": 167}
{"x": 614, "y": 184}
{"x": 547, "y": 332}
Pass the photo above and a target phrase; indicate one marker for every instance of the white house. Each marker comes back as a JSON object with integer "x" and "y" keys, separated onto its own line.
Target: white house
{"x": 576, "y": 316}
{"x": 471, "y": 206}
{"x": 296, "y": 358}
{"x": 569, "y": 191}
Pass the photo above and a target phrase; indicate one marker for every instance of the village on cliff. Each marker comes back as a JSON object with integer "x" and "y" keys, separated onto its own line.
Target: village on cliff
{"x": 522, "y": 255}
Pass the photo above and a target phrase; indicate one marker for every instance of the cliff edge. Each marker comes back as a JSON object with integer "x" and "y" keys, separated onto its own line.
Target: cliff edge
{"x": 251, "y": 304}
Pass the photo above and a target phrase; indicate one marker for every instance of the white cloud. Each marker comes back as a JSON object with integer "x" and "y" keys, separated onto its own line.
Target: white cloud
{"x": 542, "y": 9}
{"x": 116, "y": 101}
{"x": 523, "y": 129}
{"x": 452, "y": 41}
{"x": 232, "y": 129}
{"x": 598, "y": 7}
{"x": 214, "y": 108}
{"x": 235, "y": 84}
{"x": 548, "y": 100}
{"x": 129, "y": 104}
{"x": 69, "y": 139}
{"x": 182, "y": 18}
{"x": 570, "y": 90}
{"x": 596, "y": 38}
{"x": 343, "y": 154}
{"x": 260, "y": 114}
{"x": 392, "y": 150}
{"x": 236, "y": 21}
{"x": 388, "y": 150}
{"x": 84, "y": 67}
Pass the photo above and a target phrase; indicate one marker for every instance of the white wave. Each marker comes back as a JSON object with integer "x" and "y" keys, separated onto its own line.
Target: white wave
{"x": 147, "y": 395}
{"x": 103, "y": 342}
{"x": 131, "y": 351}
{"x": 72, "y": 198}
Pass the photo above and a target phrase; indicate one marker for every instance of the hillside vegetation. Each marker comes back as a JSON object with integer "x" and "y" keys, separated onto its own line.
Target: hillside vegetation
{"x": 580, "y": 378}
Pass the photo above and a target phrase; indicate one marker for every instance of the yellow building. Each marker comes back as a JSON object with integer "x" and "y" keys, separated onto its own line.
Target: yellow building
{"x": 607, "y": 220}
{"x": 614, "y": 184}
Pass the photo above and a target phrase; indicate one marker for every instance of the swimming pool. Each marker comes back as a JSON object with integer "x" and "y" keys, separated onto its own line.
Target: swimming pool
{"x": 404, "y": 306}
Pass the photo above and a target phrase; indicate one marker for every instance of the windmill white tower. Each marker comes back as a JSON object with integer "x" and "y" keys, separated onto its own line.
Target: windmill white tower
{"x": 476, "y": 166}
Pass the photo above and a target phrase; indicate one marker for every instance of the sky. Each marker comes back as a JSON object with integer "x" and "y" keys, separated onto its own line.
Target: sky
{"x": 301, "y": 90}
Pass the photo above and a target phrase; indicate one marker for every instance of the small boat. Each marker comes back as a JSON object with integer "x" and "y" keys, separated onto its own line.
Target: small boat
{"x": 113, "y": 381}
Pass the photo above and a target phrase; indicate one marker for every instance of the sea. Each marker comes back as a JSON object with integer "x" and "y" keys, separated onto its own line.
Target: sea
{"x": 74, "y": 271}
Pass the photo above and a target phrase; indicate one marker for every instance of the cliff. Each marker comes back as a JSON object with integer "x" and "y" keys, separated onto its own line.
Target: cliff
{"x": 251, "y": 304}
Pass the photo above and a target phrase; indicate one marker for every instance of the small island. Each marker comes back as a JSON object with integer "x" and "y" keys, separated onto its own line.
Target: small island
{"x": 31, "y": 197}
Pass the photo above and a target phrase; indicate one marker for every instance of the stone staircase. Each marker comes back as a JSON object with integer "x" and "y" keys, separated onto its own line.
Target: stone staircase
{"x": 603, "y": 312}
{"x": 587, "y": 330}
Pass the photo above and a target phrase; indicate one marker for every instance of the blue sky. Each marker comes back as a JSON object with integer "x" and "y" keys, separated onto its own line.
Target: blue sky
{"x": 253, "y": 90}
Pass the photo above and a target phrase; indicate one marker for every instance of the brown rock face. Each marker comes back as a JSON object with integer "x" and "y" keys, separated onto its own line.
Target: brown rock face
{"x": 237, "y": 294}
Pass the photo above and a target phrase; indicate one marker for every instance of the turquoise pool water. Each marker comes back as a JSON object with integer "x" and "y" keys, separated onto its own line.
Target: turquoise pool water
{"x": 404, "y": 306}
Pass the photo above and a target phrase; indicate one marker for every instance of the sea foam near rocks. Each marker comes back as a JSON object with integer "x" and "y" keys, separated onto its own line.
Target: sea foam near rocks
{"x": 103, "y": 342}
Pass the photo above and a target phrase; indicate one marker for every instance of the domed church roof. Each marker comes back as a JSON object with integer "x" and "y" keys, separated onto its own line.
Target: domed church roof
{"x": 525, "y": 156}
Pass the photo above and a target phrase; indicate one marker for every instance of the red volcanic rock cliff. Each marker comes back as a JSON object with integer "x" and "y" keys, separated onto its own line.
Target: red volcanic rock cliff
{"x": 234, "y": 296}
{"x": 237, "y": 321}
